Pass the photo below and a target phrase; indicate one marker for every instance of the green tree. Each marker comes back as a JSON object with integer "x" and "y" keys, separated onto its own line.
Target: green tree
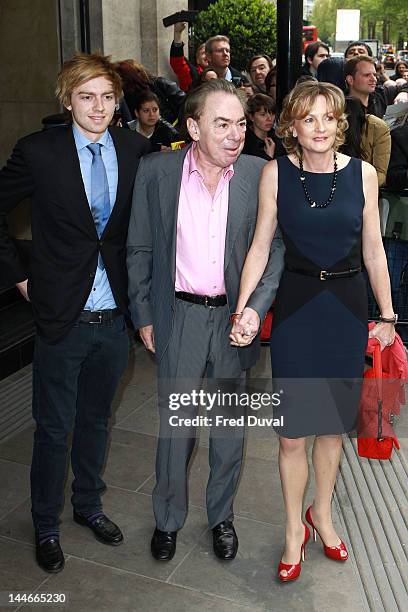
{"x": 382, "y": 19}
{"x": 324, "y": 18}
{"x": 249, "y": 24}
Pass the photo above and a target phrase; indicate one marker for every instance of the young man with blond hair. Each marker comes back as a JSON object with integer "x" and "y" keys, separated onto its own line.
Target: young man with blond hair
{"x": 80, "y": 180}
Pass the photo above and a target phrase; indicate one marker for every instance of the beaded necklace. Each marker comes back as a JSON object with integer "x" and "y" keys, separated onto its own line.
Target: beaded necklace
{"x": 313, "y": 203}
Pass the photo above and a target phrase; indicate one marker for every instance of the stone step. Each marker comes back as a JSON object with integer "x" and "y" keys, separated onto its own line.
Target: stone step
{"x": 372, "y": 499}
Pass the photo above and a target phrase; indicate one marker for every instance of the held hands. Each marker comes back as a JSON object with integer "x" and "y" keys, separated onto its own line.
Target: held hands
{"x": 384, "y": 333}
{"x": 245, "y": 327}
{"x": 147, "y": 336}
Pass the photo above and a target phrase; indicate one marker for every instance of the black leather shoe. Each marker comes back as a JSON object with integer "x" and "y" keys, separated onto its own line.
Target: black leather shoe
{"x": 163, "y": 544}
{"x": 104, "y": 529}
{"x": 50, "y": 556}
{"x": 225, "y": 541}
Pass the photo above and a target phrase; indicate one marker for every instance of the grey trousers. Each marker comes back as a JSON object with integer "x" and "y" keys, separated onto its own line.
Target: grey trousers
{"x": 199, "y": 347}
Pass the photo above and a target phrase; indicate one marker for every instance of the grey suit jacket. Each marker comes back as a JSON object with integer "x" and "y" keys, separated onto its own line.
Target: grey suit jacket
{"x": 151, "y": 245}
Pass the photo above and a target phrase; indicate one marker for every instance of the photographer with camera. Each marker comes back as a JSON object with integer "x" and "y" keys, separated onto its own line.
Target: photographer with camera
{"x": 187, "y": 73}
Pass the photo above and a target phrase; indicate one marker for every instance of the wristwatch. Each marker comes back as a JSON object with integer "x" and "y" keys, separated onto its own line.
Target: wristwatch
{"x": 392, "y": 320}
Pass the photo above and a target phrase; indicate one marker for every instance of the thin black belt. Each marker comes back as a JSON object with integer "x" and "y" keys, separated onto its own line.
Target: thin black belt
{"x": 324, "y": 274}
{"x": 99, "y": 316}
{"x": 212, "y": 301}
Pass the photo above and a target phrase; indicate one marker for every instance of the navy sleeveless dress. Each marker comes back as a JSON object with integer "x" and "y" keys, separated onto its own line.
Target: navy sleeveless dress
{"x": 319, "y": 331}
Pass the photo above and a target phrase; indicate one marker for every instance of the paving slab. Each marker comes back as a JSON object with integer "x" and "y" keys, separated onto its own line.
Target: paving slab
{"x": 98, "y": 577}
{"x": 130, "y": 459}
{"x": 91, "y": 587}
{"x": 19, "y": 448}
{"x": 14, "y": 479}
{"x": 251, "y": 578}
{"x": 18, "y": 569}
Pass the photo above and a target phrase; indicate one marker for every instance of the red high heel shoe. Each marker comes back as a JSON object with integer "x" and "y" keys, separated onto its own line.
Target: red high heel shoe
{"x": 293, "y": 569}
{"x": 333, "y": 552}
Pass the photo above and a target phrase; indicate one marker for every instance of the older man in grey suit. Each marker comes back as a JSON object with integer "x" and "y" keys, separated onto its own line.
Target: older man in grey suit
{"x": 191, "y": 226}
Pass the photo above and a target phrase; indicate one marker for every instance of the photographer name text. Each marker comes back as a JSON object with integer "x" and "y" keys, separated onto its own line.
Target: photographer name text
{"x": 249, "y": 420}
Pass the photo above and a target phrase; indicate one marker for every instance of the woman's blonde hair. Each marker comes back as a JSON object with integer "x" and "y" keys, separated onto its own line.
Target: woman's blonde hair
{"x": 298, "y": 104}
{"x": 83, "y": 67}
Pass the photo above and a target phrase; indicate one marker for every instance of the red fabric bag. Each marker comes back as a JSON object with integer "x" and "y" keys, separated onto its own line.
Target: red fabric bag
{"x": 381, "y": 397}
{"x": 267, "y": 327}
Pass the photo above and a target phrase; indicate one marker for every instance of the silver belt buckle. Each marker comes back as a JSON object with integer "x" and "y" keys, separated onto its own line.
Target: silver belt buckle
{"x": 100, "y": 319}
{"x": 206, "y": 298}
{"x": 323, "y": 275}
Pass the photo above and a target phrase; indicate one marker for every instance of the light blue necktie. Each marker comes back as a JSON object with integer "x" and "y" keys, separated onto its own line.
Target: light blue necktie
{"x": 100, "y": 202}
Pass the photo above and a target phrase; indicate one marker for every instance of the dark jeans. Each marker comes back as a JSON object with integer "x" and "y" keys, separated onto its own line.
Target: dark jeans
{"x": 74, "y": 382}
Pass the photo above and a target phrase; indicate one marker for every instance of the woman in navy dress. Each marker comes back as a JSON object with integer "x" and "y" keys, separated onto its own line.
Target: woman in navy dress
{"x": 326, "y": 206}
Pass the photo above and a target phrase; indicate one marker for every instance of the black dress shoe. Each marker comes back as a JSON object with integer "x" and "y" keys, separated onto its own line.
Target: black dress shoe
{"x": 104, "y": 529}
{"x": 50, "y": 556}
{"x": 163, "y": 544}
{"x": 225, "y": 541}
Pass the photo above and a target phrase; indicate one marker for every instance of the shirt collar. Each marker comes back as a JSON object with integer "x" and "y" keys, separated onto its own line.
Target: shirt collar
{"x": 228, "y": 75}
{"x": 81, "y": 141}
{"x": 227, "y": 172}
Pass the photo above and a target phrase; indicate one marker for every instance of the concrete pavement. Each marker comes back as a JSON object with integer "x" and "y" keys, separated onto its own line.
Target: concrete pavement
{"x": 98, "y": 577}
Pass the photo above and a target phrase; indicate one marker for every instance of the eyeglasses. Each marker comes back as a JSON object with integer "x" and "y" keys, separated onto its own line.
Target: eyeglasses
{"x": 222, "y": 50}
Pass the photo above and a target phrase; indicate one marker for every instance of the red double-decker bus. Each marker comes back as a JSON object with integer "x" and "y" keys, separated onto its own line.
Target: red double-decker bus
{"x": 309, "y": 35}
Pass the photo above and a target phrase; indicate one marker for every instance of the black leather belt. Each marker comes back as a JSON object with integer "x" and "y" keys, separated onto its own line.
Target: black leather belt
{"x": 324, "y": 274}
{"x": 99, "y": 316}
{"x": 212, "y": 301}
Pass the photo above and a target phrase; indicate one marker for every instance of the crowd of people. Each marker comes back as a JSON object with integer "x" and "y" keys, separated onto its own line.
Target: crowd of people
{"x": 367, "y": 88}
{"x": 194, "y": 245}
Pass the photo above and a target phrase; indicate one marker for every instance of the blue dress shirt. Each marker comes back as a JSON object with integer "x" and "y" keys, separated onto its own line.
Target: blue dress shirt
{"x": 101, "y": 297}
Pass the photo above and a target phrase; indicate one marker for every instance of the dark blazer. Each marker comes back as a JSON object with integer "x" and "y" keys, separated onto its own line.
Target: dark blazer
{"x": 397, "y": 176}
{"x": 379, "y": 100}
{"x": 235, "y": 72}
{"x": 151, "y": 247}
{"x": 45, "y": 167}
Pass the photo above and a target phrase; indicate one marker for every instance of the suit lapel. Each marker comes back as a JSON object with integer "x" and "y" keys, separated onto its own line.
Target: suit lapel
{"x": 237, "y": 209}
{"x": 72, "y": 185}
{"x": 169, "y": 195}
{"x": 124, "y": 178}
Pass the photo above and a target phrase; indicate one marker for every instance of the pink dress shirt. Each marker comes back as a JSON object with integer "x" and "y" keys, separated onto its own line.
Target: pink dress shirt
{"x": 201, "y": 230}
